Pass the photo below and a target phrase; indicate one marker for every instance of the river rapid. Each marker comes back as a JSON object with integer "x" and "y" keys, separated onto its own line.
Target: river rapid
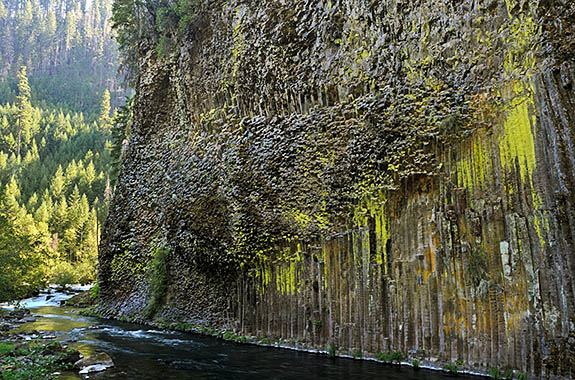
{"x": 142, "y": 353}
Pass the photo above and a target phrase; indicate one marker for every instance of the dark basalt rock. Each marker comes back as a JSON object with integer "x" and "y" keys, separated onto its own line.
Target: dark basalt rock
{"x": 378, "y": 176}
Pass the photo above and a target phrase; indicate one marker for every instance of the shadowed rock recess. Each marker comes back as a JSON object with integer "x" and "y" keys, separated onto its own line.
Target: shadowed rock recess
{"x": 374, "y": 175}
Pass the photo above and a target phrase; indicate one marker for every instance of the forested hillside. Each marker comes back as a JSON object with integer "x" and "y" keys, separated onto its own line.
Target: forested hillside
{"x": 58, "y": 88}
{"x": 68, "y": 48}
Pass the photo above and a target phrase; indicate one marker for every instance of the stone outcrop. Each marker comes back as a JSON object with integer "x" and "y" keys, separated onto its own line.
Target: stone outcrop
{"x": 372, "y": 175}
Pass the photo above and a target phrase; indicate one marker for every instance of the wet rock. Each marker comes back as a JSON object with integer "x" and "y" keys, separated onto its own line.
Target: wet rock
{"x": 5, "y": 326}
{"x": 94, "y": 368}
{"x": 84, "y": 299}
{"x": 26, "y": 319}
{"x": 96, "y": 363}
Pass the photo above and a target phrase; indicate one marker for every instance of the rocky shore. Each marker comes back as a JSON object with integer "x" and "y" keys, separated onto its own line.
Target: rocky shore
{"x": 36, "y": 354}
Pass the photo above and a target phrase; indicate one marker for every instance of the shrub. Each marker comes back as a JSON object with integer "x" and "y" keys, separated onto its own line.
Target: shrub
{"x": 331, "y": 350}
{"x": 396, "y": 357}
{"x": 64, "y": 274}
{"x": 95, "y": 291}
{"x": 451, "y": 368}
{"x": 6, "y": 348}
{"x": 494, "y": 373}
{"x": 85, "y": 272}
{"x": 382, "y": 356}
{"x": 158, "y": 281}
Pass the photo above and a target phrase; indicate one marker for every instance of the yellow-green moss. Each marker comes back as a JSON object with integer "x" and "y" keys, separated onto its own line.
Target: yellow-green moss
{"x": 517, "y": 142}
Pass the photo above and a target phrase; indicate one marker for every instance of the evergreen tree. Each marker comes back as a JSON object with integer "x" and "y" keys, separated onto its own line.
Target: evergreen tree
{"x": 105, "y": 120}
{"x": 54, "y": 161}
{"x": 25, "y": 116}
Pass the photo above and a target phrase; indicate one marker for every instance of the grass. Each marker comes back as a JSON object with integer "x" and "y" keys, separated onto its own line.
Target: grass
{"x": 415, "y": 363}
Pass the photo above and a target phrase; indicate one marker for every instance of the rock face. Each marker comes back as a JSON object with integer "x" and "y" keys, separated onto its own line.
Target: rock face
{"x": 374, "y": 175}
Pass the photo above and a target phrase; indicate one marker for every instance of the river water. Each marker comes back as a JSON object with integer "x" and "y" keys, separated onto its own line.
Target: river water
{"x": 142, "y": 353}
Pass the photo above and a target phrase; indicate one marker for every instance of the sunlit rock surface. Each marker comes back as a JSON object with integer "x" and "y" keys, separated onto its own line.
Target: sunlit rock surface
{"x": 377, "y": 176}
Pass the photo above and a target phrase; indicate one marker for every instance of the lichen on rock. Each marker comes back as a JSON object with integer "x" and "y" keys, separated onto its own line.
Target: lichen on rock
{"x": 377, "y": 176}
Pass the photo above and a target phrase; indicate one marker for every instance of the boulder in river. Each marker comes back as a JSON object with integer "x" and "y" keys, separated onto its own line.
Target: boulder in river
{"x": 27, "y": 319}
{"x": 84, "y": 299}
{"x": 94, "y": 368}
{"x": 97, "y": 363}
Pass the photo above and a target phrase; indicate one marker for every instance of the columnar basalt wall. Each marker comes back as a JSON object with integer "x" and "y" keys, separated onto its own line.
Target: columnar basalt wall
{"x": 376, "y": 176}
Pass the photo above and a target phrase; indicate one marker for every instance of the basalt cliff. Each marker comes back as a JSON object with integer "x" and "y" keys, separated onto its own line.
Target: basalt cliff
{"x": 369, "y": 176}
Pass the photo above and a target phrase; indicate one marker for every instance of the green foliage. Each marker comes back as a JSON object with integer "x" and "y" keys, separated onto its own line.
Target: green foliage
{"x": 6, "y": 348}
{"x": 173, "y": 20}
{"x": 20, "y": 259}
{"x": 105, "y": 120}
{"x": 452, "y": 368}
{"x": 158, "y": 281}
{"x": 54, "y": 192}
{"x": 63, "y": 274}
{"x": 394, "y": 357}
{"x": 384, "y": 357}
{"x": 31, "y": 363}
{"x": 415, "y": 363}
{"x": 521, "y": 376}
{"x": 358, "y": 354}
{"x": 331, "y": 350}
{"x": 265, "y": 341}
{"x": 132, "y": 24}
{"x": 397, "y": 357}
{"x": 494, "y": 373}
{"x": 25, "y": 111}
{"x": 95, "y": 291}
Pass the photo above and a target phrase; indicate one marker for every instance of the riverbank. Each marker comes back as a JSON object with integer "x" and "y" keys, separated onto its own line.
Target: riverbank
{"x": 34, "y": 355}
{"x": 394, "y": 359}
{"x": 143, "y": 352}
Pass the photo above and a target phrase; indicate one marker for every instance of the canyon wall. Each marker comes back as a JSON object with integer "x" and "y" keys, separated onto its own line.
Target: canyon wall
{"x": 373, "y": 176}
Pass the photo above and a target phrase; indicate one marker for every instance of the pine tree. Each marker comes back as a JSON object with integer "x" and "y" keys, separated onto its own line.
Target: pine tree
{"x": 58, "y": 183}
{"x": 105, "y": 120}
{"x": 25, "y": 111}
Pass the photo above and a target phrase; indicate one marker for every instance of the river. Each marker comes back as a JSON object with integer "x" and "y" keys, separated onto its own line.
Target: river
{"x": 142, "y": 353}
